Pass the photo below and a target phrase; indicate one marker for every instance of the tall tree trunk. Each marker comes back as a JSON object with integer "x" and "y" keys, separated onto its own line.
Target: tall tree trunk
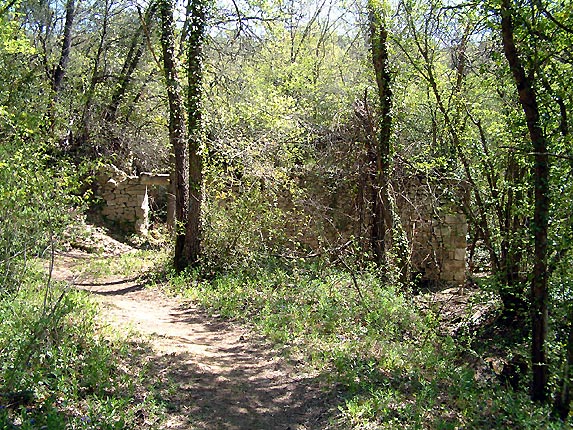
{"x": 177, "y": 137}
{"x": 382, "y": 210}
{"x": 60, "y": 69}
{"x": 58, "y": 72}
{"x": 197, "y": 9}
{"x": 539, "y": 293}
{"x": 130, "y": 64}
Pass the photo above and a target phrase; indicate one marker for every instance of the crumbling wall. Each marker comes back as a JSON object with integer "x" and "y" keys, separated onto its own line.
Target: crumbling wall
{"x": 429, "y": 211}
{"x": 126, "y": 198}
{"x": 436, "y": 228}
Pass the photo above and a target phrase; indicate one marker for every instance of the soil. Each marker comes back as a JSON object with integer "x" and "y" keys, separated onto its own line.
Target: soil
{"x": 212, "y": 373}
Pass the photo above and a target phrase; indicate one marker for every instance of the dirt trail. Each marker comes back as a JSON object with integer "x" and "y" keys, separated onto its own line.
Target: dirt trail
{"x": 216, "y": 374}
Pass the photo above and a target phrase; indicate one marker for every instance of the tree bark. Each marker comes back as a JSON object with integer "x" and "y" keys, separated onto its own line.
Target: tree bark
{"x": 130, "y": 64}
{"x": 60, "y": 69}
{"x": 177, "y": 137}
{"x": 539, "y": 291}
{"x": 197, "y": 9}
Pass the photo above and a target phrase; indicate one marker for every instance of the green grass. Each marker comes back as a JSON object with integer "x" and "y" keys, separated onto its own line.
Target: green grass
{"x": 60, "y": 369}
{"x": 128, "y": 265}
{"x": 396, "y": 370}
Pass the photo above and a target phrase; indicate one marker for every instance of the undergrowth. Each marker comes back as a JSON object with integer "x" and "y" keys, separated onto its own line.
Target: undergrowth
{"x": 59, "y": 369}
{"x": 397, "y": 371}
{"x": 128, "y": 265}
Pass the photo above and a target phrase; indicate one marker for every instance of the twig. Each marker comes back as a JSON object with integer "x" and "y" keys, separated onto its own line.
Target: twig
{"x": 354, "y": 281}
{"x": 562, "y": 156}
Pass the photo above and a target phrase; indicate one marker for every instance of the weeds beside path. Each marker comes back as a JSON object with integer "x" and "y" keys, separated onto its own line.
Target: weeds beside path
{"x": 209, "y": 373}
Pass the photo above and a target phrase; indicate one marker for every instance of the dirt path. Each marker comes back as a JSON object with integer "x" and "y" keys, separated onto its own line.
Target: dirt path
{"x": 214, "y": 374}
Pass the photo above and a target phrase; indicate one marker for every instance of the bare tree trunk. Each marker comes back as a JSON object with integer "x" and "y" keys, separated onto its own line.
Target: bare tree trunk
{"x": 130, "y": 64}
{"x": 177, "y": 138}
{"x": 539, "y": 292}
{"x": 197, "y": 9}
{"x": 60, "y": 69}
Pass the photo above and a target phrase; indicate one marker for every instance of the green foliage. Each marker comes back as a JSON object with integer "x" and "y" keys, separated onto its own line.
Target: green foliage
{"x": 59, "y": 370}
{"x": 36, "y": 200}
{"x": 394, "y": 368}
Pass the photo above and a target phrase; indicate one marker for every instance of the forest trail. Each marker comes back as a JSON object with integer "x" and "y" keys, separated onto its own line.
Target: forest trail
{"x": 212, "y": 374}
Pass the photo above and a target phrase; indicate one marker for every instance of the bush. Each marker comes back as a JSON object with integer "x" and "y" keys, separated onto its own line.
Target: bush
{"x": 57, "y": 369}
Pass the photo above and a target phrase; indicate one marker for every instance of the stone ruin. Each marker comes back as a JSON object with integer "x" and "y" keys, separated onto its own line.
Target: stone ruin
{"x": 126, "y": 198}
{"x": 435, "y": 226}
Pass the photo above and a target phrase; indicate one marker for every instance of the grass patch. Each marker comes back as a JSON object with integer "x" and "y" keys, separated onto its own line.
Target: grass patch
{"x": 60, "y": 369}
{"x": 397, "y": 370}
{"x": 127, "y": 265}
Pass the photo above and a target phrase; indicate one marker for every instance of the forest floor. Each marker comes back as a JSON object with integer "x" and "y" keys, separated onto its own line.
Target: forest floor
{"x": 211, "y": 373}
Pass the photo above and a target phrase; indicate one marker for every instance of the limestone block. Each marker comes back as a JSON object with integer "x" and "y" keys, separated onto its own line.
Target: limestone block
{"x": 460, "y": 242}
{"x": 106, "y": 211}
{"x": 460, "y": 254}
{"x": 451, "y": 219}
{"x": 135, "y": 187}
{"x": 453, "y": 265}
{"x": 142, "y": 200}
{"x": 129, "y": 218}
{"x": 154, "y": 179}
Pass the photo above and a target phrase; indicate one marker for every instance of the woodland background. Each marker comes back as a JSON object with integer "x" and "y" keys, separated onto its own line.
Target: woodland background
{"x": 291, "y": 129}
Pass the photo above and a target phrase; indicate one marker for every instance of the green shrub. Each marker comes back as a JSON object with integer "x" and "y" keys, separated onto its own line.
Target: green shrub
{"x": 397, "y": 371}
{"x": 57, "y": 368}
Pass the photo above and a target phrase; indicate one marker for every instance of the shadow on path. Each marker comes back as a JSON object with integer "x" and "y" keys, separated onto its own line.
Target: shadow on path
{"x": 236, "y": 383}
{"x": 211, "y": 373}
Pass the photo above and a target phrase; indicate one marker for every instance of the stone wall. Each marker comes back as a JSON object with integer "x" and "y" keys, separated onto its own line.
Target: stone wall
{"x": 429, "y": 212}
{"x": 436, "y": 228}
{"x": 126, "y": 198}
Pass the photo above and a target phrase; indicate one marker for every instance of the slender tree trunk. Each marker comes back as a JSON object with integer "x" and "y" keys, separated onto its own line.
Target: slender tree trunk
{"x": 562, "y": 405}
{"x": 58, "y": 72}
{"x": 196, "y": 36}
{"x": 177, "y": 137}
{"x": 539, "y": 292}
{"x": 130, "y": 64}
{"x": 382, "y": 219}
{"x": 60, "y": 69}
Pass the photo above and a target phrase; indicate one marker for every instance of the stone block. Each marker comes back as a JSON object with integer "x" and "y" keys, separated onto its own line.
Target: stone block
{"x": 453, "y": 265}
{"x": 161, "y": 179}
{"x": 460, "y": 254}
{"x": 451, "y": 219}
{"x": 142, "y": 200}
{"x": 106, "y": 211}
{"x": 460, "y": 242}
